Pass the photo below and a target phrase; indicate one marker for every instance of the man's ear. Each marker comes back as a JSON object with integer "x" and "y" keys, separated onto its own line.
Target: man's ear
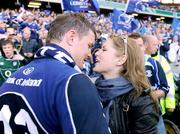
{"x": 145, "y": 45}
{"x": 122, "y": 60}
{"x": 71, "y": 37}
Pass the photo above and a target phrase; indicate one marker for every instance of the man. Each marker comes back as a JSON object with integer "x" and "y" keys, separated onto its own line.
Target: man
{"x": 50, "y": 94}
{"x": 29, "y": 46}
{"x": 174, "y": 50}
{"x": 168, "y": 103}
{"x": 154, "y": 70}
{"x": 151, "y": 46}
{"x": 163, "y": 46}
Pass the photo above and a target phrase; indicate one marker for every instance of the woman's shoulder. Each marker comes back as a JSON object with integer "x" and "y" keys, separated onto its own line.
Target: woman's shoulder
{"x": 143, "y": 104}
{"x": 143, "y": 99}
{"x": 134, "y": 100}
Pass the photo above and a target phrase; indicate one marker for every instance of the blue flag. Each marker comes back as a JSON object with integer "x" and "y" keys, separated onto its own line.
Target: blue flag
{"x": 81, "y": 5}
{"x": 142, "y": 30}
{"x": 140, "y": 5}
{"x": 124, "y": 22}
{"x": 176, "y": 25}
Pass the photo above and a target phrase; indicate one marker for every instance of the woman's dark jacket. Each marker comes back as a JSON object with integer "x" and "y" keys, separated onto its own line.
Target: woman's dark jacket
{"x": 140, "y": 117}
{"x": 126, "y": 112}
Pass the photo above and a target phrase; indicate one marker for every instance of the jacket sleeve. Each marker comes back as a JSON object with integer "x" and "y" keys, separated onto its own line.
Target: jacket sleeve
{"x": 85, "y": 106}
{"x": 144, "y": 116}
{"x": 163, "y": 85}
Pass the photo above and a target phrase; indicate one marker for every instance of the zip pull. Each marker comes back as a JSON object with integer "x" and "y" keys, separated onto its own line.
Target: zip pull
{"x": 125, "y": 107}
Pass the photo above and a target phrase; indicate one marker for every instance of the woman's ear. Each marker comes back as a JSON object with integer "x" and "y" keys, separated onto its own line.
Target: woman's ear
{"x": 121, "y": 60}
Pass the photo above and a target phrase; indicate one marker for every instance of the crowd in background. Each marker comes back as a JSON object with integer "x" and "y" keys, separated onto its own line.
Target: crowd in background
{"x": 163, "y": 7}
{"x": 26, "y": 27}
{"x": 120, "y": 1}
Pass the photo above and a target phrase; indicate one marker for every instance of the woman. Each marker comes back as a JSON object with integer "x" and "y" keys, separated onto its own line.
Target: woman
{"x": 124, "y": 88}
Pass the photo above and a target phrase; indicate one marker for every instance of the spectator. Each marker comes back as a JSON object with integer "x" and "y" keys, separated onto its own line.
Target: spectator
{"x": 42, "y": 37}
{"x": 174, "y": 53}
{"x": 30, "y": 46}
{"x": 168, "y": 102}
{"x": 163, "y": 47}
{"x": 10, "y": 61}
{"x": 159, "y": 82}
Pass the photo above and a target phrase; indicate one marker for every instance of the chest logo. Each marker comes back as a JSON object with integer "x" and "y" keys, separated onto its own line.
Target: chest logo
{"x": 29, "y": 70}
{"x": 149, "y": 73}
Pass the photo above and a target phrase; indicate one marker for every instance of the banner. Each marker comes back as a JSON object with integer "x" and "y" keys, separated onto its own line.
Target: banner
{"x": 176, "y": 25}
{"x": 81, "y": 5}
{"x": 124, "y": 22}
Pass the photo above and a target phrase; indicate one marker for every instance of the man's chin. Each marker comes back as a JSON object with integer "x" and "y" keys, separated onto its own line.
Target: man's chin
{"x": 81, "y": 66}
{"x": 8, "y": 56}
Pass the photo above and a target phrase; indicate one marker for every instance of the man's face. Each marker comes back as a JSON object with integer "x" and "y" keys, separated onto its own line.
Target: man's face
{"x": 10, "y": 33}
{"x": 8, "y": 50}
{"x": 152, "y": 45}
{"x": 26, "y": 33}
{"x": 82, "y": 48}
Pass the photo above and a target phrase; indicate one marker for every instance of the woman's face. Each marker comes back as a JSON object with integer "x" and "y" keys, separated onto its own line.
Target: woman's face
{"x": 107, "y": 59}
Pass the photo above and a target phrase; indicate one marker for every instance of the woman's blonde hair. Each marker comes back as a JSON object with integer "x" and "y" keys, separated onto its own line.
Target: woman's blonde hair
{"x": 134, "y": 67}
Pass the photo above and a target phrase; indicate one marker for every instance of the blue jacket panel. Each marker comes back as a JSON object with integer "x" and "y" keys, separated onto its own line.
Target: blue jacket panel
{"x": 48, "y": 95}
{"x": 156, "y": 75}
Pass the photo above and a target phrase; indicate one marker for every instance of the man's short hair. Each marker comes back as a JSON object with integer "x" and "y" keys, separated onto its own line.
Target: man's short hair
{"x": 7, "y": 41}
{"x": 65, "y": 22}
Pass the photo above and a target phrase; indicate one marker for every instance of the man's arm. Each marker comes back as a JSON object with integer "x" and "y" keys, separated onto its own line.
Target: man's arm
{"x": 163, "y": 86}
{"x": 157, "y": 78}
{"x": 85, "y": 106}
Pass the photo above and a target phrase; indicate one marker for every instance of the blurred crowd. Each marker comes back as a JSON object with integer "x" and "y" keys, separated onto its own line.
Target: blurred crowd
{"x": 163, "y": 7}
{"x": 26, "y": 29}
{"x": 169, "y": 8}
{"x": 120, "y": 1}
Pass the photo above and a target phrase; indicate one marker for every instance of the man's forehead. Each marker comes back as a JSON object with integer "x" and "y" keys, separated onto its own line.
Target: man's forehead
{"x": 7, "y": 45}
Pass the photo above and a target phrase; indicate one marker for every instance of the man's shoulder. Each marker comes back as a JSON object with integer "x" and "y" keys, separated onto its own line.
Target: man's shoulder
{"x": 53, "y": 66}
{"x": 8, "y": 62}
{"x": 152, "y": 62}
